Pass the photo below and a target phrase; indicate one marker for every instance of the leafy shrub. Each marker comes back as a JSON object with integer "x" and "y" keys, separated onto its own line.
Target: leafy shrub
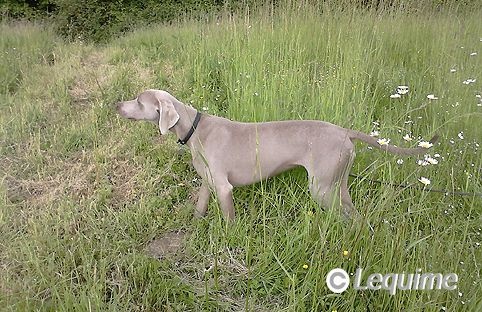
{"x": 99, "y": 20}
{"x": 15, "y": 9}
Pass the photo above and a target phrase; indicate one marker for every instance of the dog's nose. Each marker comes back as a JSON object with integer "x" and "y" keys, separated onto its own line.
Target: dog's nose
{"x": 118, "y": 106}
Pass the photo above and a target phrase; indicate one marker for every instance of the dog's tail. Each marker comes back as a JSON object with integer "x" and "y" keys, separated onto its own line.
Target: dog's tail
{"x": 387, "y": 147}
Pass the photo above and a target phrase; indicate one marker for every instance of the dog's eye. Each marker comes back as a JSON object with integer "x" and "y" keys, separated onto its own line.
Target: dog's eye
{"x": 157, "y": 110}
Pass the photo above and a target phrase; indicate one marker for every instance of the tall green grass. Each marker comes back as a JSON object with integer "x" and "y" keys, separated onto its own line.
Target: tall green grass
{"x": 83, "y": 191}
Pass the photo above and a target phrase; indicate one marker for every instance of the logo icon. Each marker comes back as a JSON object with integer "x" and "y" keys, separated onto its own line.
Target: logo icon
{"x": 337, "y": 280}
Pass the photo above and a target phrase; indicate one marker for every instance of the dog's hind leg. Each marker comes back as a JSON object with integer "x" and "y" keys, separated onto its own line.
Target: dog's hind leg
{"x": 328, "y": 181}
{"x": 348, "y": 209}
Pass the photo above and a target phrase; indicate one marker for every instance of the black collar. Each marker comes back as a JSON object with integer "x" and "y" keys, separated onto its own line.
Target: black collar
{"x": 191, "y": 131}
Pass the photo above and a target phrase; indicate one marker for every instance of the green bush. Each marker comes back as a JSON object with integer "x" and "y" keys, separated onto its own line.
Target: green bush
{"x": 16, "y": 9}
{"x": 99, "y": 20}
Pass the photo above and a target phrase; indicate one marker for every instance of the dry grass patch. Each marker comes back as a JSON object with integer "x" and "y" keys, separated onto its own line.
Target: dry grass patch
{"x": 93, "y": 77}
{"x": 167, "y": 245}
{"x": 71, "y": 177}
{"x": 78, "y": 177}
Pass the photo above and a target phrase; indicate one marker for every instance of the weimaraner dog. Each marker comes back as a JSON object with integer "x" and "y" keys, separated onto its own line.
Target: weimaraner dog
{"x": 226, "y": 153}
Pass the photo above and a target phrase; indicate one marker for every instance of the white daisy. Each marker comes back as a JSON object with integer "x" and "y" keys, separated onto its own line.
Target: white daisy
{"x": 383, "y": 141}
{"x": 402, "y": 90}
{"x": 424, "y": 181}
{"x": 432, "y": 97}
{"x": 425, "y": 144}
{"x": 422, "y": 162}
{"x": 374, "y": 133}
{"x": 407, "y": 137}
{"x": 431, "y": 160}
{"x": 395, "y": 96}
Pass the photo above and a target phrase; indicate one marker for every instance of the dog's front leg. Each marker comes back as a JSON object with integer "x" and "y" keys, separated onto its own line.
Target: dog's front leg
{"x": 203, "y": 200}
{"x": 224, "y": 193}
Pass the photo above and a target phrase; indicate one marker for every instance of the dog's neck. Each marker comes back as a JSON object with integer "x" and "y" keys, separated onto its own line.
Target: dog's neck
{"x": 187, "y": 114}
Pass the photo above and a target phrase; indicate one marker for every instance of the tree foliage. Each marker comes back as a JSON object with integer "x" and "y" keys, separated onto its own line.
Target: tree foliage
{"x": 100, "y": 20}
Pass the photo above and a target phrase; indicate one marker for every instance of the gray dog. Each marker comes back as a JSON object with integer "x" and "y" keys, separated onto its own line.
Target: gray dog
{"x": 227, "y": 153}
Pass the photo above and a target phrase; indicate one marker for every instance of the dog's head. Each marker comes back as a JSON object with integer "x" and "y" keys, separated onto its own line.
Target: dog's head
{"x": 155, "y": 106}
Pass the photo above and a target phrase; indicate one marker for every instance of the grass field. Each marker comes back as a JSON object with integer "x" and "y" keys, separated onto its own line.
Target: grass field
{"x": 83, "y": 192}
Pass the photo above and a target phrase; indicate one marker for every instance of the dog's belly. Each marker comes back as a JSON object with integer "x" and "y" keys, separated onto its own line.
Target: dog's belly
{"x": 255, "y": 169}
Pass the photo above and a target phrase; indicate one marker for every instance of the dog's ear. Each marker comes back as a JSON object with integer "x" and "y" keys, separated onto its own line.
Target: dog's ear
{"x": 168, "y": 116}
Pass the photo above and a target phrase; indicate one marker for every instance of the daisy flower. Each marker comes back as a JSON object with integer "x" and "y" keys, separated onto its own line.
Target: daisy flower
{"x": 424, "y": 181}
{"x": 383, "y": 141}
{"x": 425, "y": 144}
{"x": 422, "y": 162}
{"x": 374, "y": 133}
{"x": 402, "y": 90}
{"x": 469, "y": 81}
{"x": 431, "y": 160}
